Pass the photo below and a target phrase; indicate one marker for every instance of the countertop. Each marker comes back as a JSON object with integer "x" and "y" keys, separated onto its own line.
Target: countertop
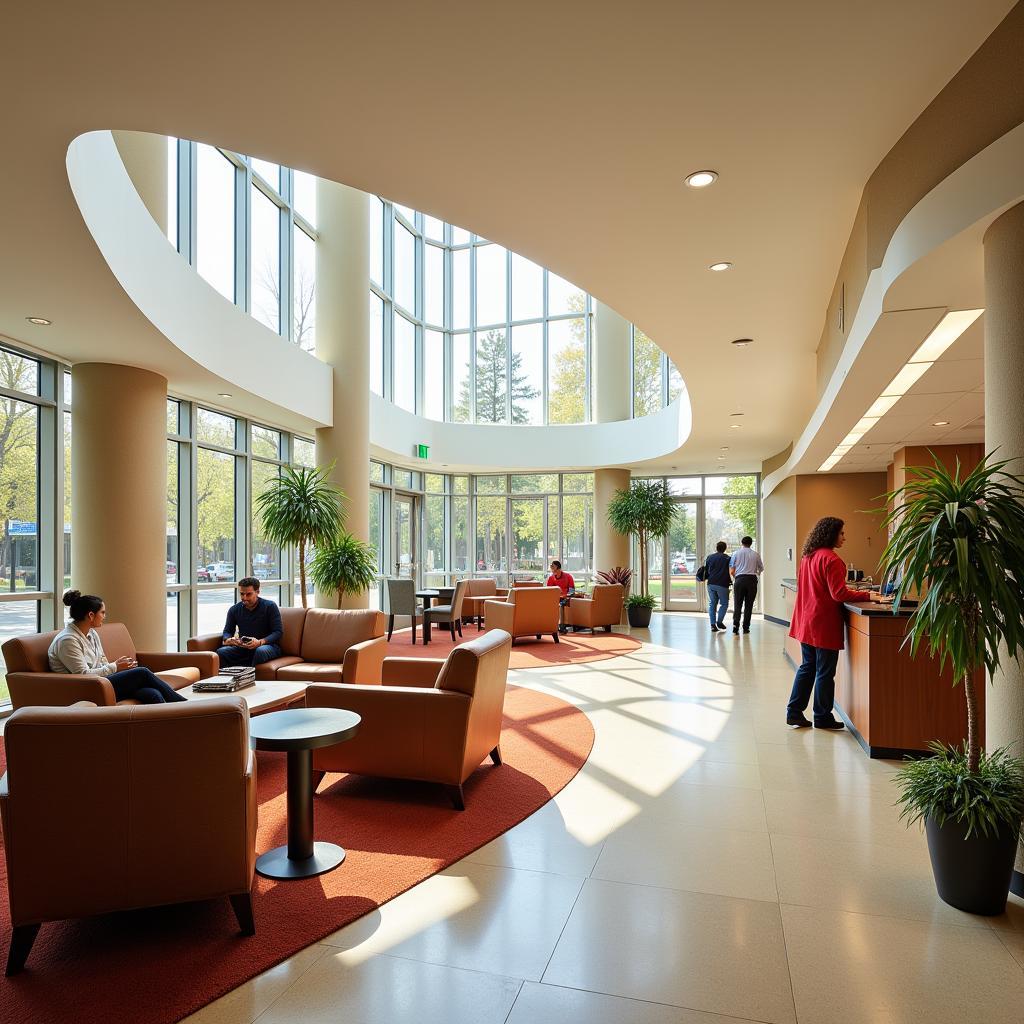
{"x": 871, "y": 608}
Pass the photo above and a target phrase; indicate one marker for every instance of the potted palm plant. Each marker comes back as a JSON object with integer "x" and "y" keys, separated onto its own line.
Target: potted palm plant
{"x": 300, "y": 508}
{"x": 959, "y": 541}
{"x": 644, "y": 510}
{"x": 345, "y": 565}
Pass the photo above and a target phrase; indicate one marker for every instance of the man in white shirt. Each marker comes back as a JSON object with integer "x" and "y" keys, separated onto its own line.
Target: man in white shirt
{"x": 745, "y": 566}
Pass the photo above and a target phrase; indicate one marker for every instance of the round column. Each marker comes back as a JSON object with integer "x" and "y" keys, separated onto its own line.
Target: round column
{"x": 119, "y": 495}
{"x": 612, "y": 396}
{"x": 611, "y": 403}
{"x": 1004, "y": 429}
{"x": 343, "y": 341}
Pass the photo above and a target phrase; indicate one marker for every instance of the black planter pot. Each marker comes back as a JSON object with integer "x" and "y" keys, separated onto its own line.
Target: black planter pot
{"x": 971, "y": 874}
{"x": 639, "y": 618}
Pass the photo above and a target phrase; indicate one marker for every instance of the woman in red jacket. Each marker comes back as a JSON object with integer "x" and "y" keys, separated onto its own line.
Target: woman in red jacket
{"x": 818, "y": 623}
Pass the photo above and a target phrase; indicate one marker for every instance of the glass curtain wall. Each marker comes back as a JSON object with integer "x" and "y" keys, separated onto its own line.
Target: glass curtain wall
{"x": 655, "y": 380}
{"x": 34, "y": 472}
{"x": 464, "y": 330}
{"x": 709, "y": 509}
{"x": 249, "y": 228}
{"x": 505, "y": 526}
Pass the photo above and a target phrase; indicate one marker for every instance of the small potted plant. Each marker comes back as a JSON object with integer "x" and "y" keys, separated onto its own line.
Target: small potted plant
{"x": 639, "y": 608}
{"x": 960, "y": 544}
{"x": 644, "y": 510}
{"x": 345, "y": 565}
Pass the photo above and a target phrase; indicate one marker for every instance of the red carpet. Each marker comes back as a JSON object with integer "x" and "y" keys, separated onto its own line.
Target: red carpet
{"x": 572, "y": 648}
{"x": 160, "y": 965}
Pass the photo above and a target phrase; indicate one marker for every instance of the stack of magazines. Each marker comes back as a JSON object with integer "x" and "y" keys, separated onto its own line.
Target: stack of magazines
{"x": 228, "y": 680}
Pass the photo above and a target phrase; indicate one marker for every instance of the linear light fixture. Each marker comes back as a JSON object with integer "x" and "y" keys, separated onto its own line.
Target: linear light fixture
{"x": 945, "y": 332}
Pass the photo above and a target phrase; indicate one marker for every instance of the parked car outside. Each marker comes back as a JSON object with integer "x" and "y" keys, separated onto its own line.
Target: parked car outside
{"x": 203, "y": 574}
{"x": 172, "y": 572}
{"x": 222, "y": 571}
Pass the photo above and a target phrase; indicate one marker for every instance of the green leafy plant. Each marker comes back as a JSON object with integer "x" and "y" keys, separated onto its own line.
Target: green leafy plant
{"x": 641, "y": 601}
{"x": 986, "y": 800}
{"x": 299, "y": 508}
{"x": 644, "y": 510}
{"x": 959, "y": 541}
{"x": 620, "y": 575}
{"x": 346, "y": 565}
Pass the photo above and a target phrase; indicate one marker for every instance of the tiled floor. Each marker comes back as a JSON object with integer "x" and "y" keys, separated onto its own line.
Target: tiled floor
{"x": 707, "y": 866}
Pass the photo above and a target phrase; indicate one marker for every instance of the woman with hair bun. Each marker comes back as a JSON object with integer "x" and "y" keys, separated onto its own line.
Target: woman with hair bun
{"x": 818, "y": 623}
{"x": 77, "y": 649}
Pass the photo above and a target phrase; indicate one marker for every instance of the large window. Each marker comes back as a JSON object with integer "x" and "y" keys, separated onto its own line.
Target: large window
{"x": 35, "y": 436}
{"x": 655, "y": 380}
{"x": 249, "y": 227}
{"x": 483, "y": 336}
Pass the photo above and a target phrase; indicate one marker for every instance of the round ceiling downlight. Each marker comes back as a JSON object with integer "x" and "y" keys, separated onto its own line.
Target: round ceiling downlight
{"x": 701, "y": 179}
{"x": 719, "y": 267}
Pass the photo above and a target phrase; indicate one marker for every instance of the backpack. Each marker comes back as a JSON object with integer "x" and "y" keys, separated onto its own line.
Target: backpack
{"x": 702, "y": 573}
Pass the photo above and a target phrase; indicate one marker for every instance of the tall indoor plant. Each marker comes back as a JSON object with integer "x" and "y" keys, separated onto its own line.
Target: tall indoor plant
{"x": 644, "y": 510}
{"x": 959, "y": 542}
{"x": 345, "y": 565}
{"x": 301, "y": 507}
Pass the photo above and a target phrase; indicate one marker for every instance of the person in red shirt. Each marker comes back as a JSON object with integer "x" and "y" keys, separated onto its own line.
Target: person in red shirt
{"x": 818, "y": 623}
{"x": 566, "y": 584}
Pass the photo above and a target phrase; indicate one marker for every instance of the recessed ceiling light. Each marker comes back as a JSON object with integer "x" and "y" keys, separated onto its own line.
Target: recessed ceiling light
{"x": 701, "y": 179}
{"x": 941, "y": 423}
{"x": 742, "y": 342}
{"x": 735, "y": 414}
{"x": 717, "y": 267}
{"x": 735, "y": 426}
{"x": 724, "y": 448}
{"x": 39, "y": 321}
{"x": 223, "y": 394}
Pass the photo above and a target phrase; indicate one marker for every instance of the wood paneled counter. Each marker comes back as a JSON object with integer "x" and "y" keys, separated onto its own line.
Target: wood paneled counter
{"x": 892, "y": 703}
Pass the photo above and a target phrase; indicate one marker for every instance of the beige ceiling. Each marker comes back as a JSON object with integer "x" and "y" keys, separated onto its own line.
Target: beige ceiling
{"x": 561, "y": 130}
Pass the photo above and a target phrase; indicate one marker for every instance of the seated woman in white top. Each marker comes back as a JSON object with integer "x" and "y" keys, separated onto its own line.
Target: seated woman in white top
{"x": 77, "y": 649}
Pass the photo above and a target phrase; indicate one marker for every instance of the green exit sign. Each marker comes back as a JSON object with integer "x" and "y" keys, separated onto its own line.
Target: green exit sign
{"x": 423, "y": 451}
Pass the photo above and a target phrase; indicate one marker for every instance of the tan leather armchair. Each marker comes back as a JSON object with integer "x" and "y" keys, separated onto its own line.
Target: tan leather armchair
{"x": 602, "y": 609}
{"x": 528, "y": 611}
{"x": 170, "y": 815}
{"x": 432, "y": 720}
{"x": 32, "y": 684}
{"x": 321, "y": 645}
{"x": 478, "y": 591}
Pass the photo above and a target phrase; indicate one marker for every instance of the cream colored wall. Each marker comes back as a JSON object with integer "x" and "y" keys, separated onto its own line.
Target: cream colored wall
{"x": 851, "y": 497}
{"x": 145, "y": 160}
{"x": 779, "y": 546}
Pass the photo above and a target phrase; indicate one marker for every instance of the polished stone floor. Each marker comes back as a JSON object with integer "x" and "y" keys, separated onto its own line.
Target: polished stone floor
{"x": 707, "y": 865}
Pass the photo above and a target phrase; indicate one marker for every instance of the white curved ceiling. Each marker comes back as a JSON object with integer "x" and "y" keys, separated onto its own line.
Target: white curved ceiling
{"x": 562, "y": 131}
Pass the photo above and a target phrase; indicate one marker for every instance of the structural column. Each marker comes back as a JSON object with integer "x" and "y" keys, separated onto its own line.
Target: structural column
{"x": 1004, "y": 430}
{"x": 119, "y": 495}
{"x": 343, "y": 341}
{"x": 611, "y": 403}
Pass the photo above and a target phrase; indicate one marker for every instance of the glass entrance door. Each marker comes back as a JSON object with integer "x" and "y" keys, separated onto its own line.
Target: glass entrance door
{"x": 405, "y": 540}
{"x": 683, "y": 547}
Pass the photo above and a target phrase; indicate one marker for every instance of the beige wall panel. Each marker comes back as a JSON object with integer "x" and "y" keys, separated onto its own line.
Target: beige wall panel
{"x": 145, "y": 160}
{"x": 610, "y": 548}
{"x": 779, "y": 551}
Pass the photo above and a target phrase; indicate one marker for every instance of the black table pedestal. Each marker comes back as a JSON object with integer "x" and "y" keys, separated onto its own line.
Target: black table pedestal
{"x": 301, "y": 857}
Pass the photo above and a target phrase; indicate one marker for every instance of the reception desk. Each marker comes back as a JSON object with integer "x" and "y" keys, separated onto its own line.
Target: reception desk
{"x": 894, "y": 704}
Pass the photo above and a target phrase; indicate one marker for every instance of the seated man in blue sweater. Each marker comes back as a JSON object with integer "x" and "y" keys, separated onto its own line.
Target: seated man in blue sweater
{"x": 258, "y": 624}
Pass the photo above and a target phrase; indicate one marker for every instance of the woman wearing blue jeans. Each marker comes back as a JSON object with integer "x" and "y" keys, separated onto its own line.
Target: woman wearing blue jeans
{"x": 718, "y": 581}
{"x": 77, "y": 649}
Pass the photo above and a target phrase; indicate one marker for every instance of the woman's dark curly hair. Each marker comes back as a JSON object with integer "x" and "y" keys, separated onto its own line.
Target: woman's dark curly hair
{"x": 824, "y": 534}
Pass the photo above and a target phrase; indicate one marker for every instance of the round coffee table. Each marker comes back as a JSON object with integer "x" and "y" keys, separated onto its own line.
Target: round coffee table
{"x": 300, "y": 731}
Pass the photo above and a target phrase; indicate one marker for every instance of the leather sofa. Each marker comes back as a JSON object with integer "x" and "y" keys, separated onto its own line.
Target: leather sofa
{"x": 321, "y": 645}
{"x": 478, "y": 591}
{"x": 527, "y": 611}
{"x": 116, "y": 808}
{"x": 32, "y": 684}
{"x": 431, "y": 720}
{"x": 602, "y": 609}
